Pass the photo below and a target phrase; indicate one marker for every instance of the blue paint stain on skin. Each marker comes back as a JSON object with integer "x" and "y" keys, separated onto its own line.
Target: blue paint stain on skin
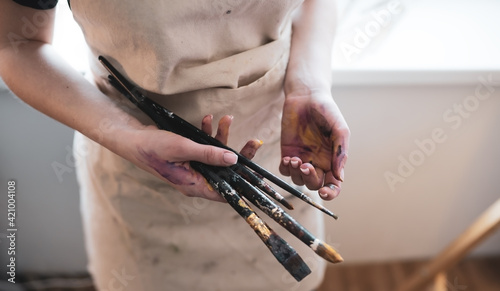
{"x": 176, "y": 173}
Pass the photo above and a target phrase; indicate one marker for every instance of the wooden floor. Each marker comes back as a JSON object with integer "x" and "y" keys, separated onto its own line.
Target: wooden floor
{"x": 478, "y": 274}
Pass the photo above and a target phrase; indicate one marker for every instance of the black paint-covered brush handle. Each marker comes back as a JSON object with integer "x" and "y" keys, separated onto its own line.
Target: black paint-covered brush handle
{"x": 277, "y": 214}
{"x": 281, "y": 250}
{"x": 166, "y": 119}
{"x": 161, "y": 117}
{"x": 258, "y": 182}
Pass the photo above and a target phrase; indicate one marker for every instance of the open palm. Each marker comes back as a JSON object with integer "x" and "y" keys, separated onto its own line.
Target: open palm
{"x": 314, "y": 143}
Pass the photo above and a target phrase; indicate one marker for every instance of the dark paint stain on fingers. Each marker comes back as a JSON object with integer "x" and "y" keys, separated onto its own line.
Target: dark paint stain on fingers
{"x": 250, "y": 149}
{"x": 339, "y": 150}
{"x": 176, "y": 173}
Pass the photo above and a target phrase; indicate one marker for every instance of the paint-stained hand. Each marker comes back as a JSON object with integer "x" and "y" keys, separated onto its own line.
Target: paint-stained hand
{"x": 314, "y": 143}
{"x": 167, "y": 156}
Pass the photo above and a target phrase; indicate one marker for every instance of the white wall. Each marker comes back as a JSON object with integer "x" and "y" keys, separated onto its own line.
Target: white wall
{"x": 400, "y": 66}
{"x": 440, "y": 197}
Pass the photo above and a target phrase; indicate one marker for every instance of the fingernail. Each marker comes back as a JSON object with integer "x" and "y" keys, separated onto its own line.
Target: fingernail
{"x": 323, "y": 195}
{"x": 342, "y": 175}
{"x": 335, "y": 189}
{"x": 286, "y": 161}
{"x": 230, "y": 158}
{"x": 295, "y": 164}
{"x": 306, "y": 171}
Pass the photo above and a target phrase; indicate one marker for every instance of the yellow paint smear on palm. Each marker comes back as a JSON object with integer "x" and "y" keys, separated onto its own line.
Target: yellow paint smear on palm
{"x": 313, "y": 143}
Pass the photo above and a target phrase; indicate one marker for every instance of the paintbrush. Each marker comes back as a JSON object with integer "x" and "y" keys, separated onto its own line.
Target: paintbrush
{"x": 281, "y": 250}
{"x": 278, "y": 214}
{"x": 162, "y": 116}
{"x": 166, "y": 119}
{"x": 254, "y": 179}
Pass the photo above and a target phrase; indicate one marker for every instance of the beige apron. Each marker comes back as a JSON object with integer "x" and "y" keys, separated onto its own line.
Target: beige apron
{"x": 196, "y": 58}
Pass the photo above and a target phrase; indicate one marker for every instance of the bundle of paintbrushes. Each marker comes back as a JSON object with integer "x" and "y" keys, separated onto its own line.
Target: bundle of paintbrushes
{"x": 245, "y": 178}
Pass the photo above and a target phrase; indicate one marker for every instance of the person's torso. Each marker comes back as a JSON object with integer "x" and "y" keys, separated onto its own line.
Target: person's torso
{"x": 170, "y": 47}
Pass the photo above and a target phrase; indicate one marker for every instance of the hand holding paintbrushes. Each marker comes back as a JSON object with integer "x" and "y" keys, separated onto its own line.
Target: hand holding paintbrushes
{"x": 238, "y": 180}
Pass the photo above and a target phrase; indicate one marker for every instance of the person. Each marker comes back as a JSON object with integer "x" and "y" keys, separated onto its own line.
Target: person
{"x": 260, "y": 67}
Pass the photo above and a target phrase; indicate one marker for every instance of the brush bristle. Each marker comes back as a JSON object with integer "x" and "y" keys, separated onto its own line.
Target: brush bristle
{"x": 328, "y": 253}
{"x": 296, "y": 267}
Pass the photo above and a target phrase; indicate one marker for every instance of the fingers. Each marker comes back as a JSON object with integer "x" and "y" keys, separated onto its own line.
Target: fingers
{"x": 250, "y": 148}
{"x": 313, "y": 178}
{"x": 302, "y": 173}
{"x": 215, "y": 156}
{"x": 206, "y": 124}
{"x": 210, "y": 194}
{"x": 199, "y": 187}
{"x": 295, "y": 171}
{"x": 223, "y": 129}
{"x": 188, "y": 150}
{"x": 331, "y": 188}
{"x": 211, "y": 155}
{"x": 222, "y": 135}
{"x": 285, "y": 166}
{"x": 340, "y": 149}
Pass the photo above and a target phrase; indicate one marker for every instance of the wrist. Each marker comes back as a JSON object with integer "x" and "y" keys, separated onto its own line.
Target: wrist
{"x": 305, "y": 76}
{"x": 306, "y": 87}
{"x": 118, "y": 131}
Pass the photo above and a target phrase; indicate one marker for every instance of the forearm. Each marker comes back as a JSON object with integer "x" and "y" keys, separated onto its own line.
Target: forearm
{"x": 309, "y": 66}
{"x": 37, "y": 75}
{"x": 315, "y": 136}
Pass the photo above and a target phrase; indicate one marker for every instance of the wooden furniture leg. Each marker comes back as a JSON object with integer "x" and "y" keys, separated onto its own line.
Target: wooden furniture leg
{"x": 477, "y": 232}
{"x": 439, "y": 283}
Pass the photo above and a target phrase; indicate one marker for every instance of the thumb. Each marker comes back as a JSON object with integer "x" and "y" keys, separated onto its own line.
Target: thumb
{"x": 212, "y": 155}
